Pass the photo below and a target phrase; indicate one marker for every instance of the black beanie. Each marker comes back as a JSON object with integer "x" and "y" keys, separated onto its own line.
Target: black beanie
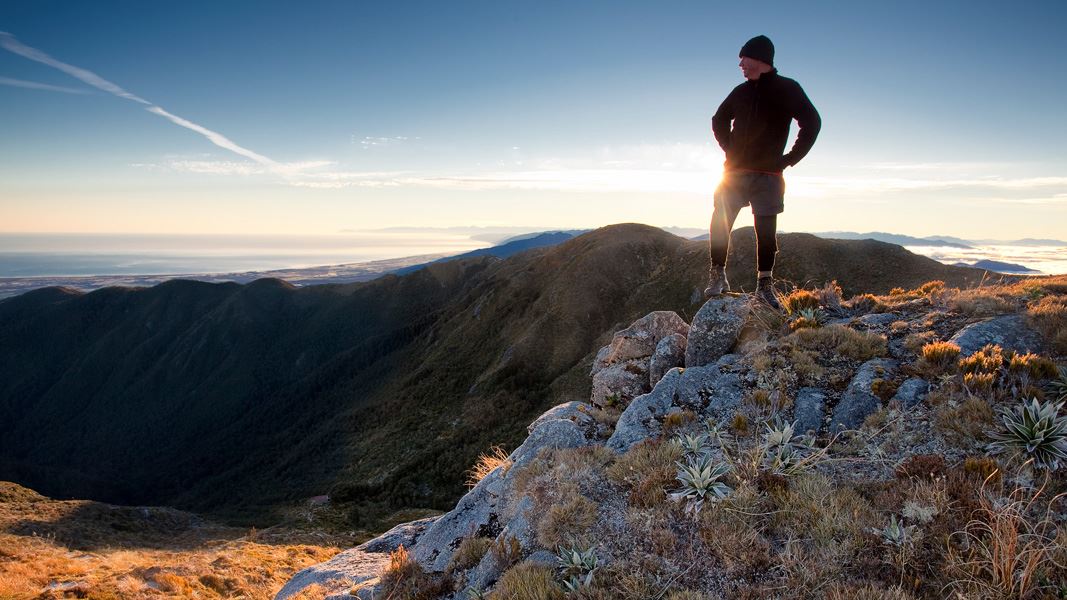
{"x": 759, "y": 48}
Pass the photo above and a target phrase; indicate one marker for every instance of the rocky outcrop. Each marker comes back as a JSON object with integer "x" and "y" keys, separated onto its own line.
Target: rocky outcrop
{"x": 643, "y": 369}
{"x": 360, "y": 565}
{"x": 623, "y": 369}
{"x": 484, "y": 511}
{"x": 639, "y": 340}
{"x": 715, "y": 329}
{"x": 1010, "y": 332}
{"x": 705, "y": 390}
{"x": 858, "y": 401}
{"x": 620, "y": 383}
{"x": 670, "y": 353}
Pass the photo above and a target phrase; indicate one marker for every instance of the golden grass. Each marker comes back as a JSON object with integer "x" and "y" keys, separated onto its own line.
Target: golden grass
{"x": 404, "y": 579}
{"x": 827, "y": 514}
{"x": 569, "y": 519}
{"x": 678, "y": 420}
{"x": 1033, "y": 365}
{"x": 967, "y": 420}
{"x": 987, "y": 360}
{"x": 914, "y": 342}
{"x": 487, "y": 463}
{"x": 936, "y": 358}
{"x": 528, "y": 581}
{"x": 220, "y": 569}
{"x": 1005, "y": 552}
{"x": 204, "y": 560}
{"x": 799, "y": 300}
{"x": 470, "y": 552}
{"x": 647, "y": 470}
{"x": 857, "y": 345}
{"x": 1049, "y": 316}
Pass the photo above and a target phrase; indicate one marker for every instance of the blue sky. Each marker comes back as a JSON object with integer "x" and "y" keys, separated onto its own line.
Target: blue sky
{"x": 939, "y": 118}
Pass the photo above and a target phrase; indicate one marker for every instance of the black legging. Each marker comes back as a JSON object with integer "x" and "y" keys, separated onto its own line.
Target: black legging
{"x": 722, "y": 222}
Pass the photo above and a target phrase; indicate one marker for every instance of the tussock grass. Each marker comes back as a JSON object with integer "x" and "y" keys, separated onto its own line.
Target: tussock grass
{"x": 1049, "y": 316}
{"x": 936, "y": 358}
{"x": 488, "y": 462}
{"x": 865, "y": 304}
{"x": 205, "y": 561}
{"x": 857, "y": 345}
{"x": 1007, "y": 551}
{"x": 799, "y": 300}
{"x": 527, "y": 581}
{"x": 470, "y": 553}
{"x": 404, "y": 579}
{"x": 566, "y": 520}
{"x": 647, "y": 470}
{"x": 987, "y": 360}
{"x": 841, "y": 591}
{"x": 914, "y": 342}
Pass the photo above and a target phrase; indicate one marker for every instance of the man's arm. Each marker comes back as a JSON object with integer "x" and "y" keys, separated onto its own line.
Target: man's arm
{"x": 810, "y": 123}
{"x": 720, "y": 123}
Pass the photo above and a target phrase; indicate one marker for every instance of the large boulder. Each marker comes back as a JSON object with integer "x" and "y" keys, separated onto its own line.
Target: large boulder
{"x": 858, "y": 401}
{"x": 669, "y": 353}
{"x": 490, "y": 505}
{"x": 621, "y": 369}
{"x": 1010, "y": 332}
{"x": 361, "y": 564}
{"x": 573, "y": 411}
{"x": 715, "y": 329}
{"x": 639, "y": 340}
{"x": 705, "y": 390}
{"x": 620, "y": 383}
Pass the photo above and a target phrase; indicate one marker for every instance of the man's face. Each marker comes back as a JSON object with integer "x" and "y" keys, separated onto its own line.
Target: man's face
{"x": 752, "y": 68}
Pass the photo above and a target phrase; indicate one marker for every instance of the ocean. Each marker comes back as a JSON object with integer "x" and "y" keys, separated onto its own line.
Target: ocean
{"x": 60, "y": 255}
{"x": 72, "y": 255}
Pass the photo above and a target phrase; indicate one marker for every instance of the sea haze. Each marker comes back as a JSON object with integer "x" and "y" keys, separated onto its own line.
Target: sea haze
{"x": 1048, "y": 260}
{"x": 54, "y": 255}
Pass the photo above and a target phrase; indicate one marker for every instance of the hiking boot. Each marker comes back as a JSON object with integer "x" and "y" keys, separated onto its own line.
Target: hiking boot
{"x": 765, "y": 292}
{"x": 717, "y": 283}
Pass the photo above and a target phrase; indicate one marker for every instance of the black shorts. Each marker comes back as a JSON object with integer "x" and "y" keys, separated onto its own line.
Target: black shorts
{"x": 764, "y": 192}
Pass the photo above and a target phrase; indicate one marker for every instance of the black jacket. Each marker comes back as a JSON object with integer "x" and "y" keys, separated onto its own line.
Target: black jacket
{"x": 761, "y": 111}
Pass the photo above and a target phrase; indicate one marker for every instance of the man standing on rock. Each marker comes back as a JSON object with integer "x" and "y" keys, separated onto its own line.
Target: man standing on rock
{"x": 752, "y": 127}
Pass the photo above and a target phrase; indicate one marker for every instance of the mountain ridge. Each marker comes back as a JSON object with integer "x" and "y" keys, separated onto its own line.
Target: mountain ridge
{"x": 283, "y": 393}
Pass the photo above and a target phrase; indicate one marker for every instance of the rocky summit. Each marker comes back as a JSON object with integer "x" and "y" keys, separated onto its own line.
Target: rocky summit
{"x": 876, "y": 447}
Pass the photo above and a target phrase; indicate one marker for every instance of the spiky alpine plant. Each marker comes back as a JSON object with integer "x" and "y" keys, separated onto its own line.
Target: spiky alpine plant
{"x": 1036, "y": 430}
{"x": 694, "y": 445}
{"x": 1058, "y": 386}
{"x": 785, "y": 453}
{"x": 577, "y": 566}
{"x": 699, "y": 478}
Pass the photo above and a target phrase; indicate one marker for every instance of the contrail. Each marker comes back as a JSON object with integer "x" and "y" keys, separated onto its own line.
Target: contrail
{"x": 33, "y": 85}
{"x": 11, "y": 44}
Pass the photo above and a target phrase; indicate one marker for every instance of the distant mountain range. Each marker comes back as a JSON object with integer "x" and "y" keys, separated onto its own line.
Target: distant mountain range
{"x": 998, "y": 266}
{"x": 504, "y": 249}
{"x": 893, "y": 238}
{"x": 936, "y": 240}
{"x": 241, "y": 400}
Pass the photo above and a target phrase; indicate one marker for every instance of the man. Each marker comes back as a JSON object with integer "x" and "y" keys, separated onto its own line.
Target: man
{"x": 760, "y": 111}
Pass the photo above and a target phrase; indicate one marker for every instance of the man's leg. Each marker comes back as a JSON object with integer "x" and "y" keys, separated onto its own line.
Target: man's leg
{"x": 766, "y": 243}
{"x": 765, "y": 209}
{"x": 722, "y": 222}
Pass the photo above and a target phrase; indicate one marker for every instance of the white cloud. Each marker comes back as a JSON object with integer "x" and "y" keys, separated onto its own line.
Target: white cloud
{"x": 369, "y": 141}
{"x": 11, "y": 44}
{"x": 33, "y": 85}
{"x": 8, "y": 42}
